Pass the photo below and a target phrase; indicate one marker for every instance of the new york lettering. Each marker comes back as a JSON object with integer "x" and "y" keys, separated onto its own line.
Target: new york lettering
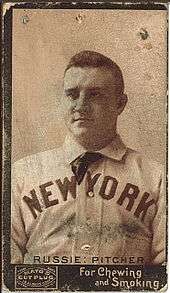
{"x": 69, "y": 186}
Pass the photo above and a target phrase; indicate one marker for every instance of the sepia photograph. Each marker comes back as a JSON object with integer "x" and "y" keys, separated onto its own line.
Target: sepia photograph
{"x": 88, "y": 146}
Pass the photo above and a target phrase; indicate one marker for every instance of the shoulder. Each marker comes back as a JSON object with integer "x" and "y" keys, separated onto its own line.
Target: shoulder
{"x": 143, "y": 163}
{"x": 38, "y": 161}
{"x": 141, "y": 158}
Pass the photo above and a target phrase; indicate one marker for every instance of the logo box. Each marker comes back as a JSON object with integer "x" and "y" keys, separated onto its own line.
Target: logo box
{"x": 32, "y": 277}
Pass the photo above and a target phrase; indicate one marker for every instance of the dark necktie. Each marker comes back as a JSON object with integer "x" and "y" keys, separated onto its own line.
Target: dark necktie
{"x": 80, "y": 164}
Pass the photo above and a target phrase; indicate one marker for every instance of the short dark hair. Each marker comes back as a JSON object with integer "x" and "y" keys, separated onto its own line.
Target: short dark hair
{"x": 95, "y": 59}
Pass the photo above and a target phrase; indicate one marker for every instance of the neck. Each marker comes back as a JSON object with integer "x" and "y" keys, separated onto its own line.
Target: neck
{"x": 95, "y": 144}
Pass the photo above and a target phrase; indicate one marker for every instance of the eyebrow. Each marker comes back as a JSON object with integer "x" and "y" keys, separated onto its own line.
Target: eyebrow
{"x": 90, "y": 88}
{"x": 97, "y": 88}
{"x": 71, "y": 89}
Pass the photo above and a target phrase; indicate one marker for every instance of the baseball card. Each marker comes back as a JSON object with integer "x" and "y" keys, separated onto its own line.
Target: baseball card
{"x": 84, "y": 143}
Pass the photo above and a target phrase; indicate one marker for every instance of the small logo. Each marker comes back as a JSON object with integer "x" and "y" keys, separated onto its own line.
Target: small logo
{"x": 25, "y": 19}
{"x": 36, "y": 277}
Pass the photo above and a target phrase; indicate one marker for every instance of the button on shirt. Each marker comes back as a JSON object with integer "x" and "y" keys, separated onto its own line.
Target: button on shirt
{"x": 117, "y": 211}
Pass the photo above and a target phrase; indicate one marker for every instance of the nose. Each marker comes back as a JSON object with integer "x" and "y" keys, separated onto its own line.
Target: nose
{"x": 82, "y": 103}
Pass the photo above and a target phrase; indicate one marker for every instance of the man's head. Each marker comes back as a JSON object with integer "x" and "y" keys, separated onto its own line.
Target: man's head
{"x": 93, "y": 98}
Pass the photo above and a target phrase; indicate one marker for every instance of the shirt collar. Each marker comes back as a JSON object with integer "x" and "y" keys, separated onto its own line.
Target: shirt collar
{"x": 115, "y": 150}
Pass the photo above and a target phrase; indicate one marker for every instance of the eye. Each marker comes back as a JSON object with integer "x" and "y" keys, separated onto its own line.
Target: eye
{"x": 97, "y": 95}
{"x": 72, "y": 94}
{"x": 94, "y": 93}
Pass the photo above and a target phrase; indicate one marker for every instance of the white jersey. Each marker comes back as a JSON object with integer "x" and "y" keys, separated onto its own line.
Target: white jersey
{"x": 116, "y": 215}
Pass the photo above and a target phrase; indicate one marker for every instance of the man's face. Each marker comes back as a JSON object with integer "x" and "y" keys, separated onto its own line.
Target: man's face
{"x": 90, "y": 104}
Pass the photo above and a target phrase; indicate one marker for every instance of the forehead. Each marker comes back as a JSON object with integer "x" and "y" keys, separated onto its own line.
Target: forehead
{"x": 88, "y": 77}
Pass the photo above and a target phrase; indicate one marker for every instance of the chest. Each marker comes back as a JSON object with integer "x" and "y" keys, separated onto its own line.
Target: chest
{"x": 112, "y": 192}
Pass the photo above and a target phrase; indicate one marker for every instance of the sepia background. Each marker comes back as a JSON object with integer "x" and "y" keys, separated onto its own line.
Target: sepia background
{"x": 43, "y": 42}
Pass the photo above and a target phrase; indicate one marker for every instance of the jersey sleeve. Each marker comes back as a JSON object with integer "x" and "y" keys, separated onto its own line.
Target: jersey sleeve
{"x": 159, "y": 227}
{"x": 18, "y": 234}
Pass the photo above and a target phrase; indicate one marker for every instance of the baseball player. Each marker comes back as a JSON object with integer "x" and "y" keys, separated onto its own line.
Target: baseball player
{"x": 93, "y": 200}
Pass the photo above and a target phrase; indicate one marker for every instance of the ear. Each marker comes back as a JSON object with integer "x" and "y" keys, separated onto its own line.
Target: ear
{"x": 121, "y": 103}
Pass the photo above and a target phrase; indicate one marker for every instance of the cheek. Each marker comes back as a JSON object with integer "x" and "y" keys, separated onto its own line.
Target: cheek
{"x": 67, "y": 107}
{"x": 67, "y": 103}
{"x": 104, "y": 114}
{"x": 100, "y": 111}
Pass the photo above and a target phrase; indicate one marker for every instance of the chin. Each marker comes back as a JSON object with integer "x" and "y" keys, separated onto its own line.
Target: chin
{"x": 81, "y": 134}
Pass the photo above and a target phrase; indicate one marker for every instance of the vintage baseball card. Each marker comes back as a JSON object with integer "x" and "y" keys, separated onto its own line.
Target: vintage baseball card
{"x": 84, "y": 143}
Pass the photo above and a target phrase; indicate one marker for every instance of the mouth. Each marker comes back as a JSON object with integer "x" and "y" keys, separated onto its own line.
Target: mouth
{"x": 82, "y": 119}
